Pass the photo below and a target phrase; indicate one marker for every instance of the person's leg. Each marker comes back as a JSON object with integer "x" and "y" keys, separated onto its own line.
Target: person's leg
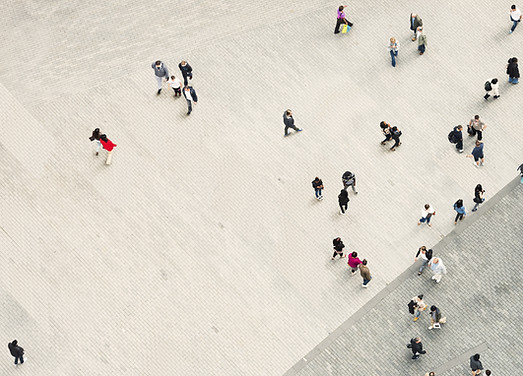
{"x": 21, "y": 359}
{"x": 334, "y": 254}
{"x": 159, "y": 81}
{"x": 480, "y": 135}
{"x": 185, "y": 82}
{"x": 189, "y": 106}
{"x": 337, "y": 28}
{"x": 423, "y": 265}
{"x": 437, "y": 277}
{"x": 459, "y": 145}
{"x": 428, "y": 220}
{"x": 456, "y": 219}
{"x": 342, "y": 211}
{"x": 476, "y": 205}
{"x": 515, "y": 24}
{"x": 487, "y": 95}
{"x": 98, "y": 146}
{"x": 510, "y": 80}
{"x": 515, "y": 80}
{"x": 416, "y": 314}
{"x": 393, "y": 57}
{"x": 396, "y": 143}
{"x": 387, "y": 138}
{"x": 16, "y": 360}
{"x": 421, "y": 49}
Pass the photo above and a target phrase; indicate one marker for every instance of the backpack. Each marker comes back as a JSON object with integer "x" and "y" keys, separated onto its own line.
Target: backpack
{"x": 397, "y": 133}
{"x": 488, "y": 86}
{"x": 452, "y": 137}
{"x": 411, "y": 305}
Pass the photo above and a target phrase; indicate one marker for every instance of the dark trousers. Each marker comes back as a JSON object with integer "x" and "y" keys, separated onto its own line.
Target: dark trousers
{"x": 177, "y": 91}
{"x": 473, "y": 132}
{"x": 339, "y": 22}
{"x": 343, "y": 207}
{"x": 189, "y": 105}
{"x": 21, "y": 357}
{"x": 290, "y": 126}
{"x": 396, "y": 142}
{"x": 336, "y": 253}
{"x": 459, "y": 216}
{"x": 459, "y": 145}
{"x": 317, "y": 192}
{"x": 388, "y": 137}
{"x": 185, "y": 81}
{"x": 421, "y": 48}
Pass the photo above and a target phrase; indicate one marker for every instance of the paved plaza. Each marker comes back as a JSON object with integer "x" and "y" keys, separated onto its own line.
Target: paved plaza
{"x": 201, "y": 250}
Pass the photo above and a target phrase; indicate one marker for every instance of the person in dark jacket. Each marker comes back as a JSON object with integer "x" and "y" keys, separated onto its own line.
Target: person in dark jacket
{"x": 161, "y": 72}
{"x": 186, "y": 70}
{"x": 417, "y": 347}
{"x": 475, "y": 364}
{"x": 288, "y": 120}
{"x": 190, "y": 96}
{"x": 426, "y": 255}
{"x": 16, "y": 351}
{"x": 96, "y": 136}
{"x": 349, "y": 180}
{"x": 396, "y": 134}
{"x": 343, "y": 200}
{"x": 477, "y": 154}
{"x": 435, "y": 317}
{"x": 341, "y": 20}
{"x": 460, "y": 210}
{"x": 387, "y": 131}
{"x": 338, "y": 246}
{"x": 513, "y": 70}
{"x": 317, "y": 184}
{"x": 478, "y": 196}
{"x": 458, "y": 137}
{"x": 415, "y": 22}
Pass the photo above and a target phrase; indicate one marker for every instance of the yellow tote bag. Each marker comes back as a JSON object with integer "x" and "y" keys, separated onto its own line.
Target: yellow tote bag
{"x": 344, "y": 29}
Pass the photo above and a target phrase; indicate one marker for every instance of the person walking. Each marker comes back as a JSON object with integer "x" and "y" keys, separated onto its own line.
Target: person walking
{"x": 186, "y": 70}
{"x": 422, "y": 40}
{"x": 515, "y": 17}
{"x": 342, "y": 19}
{"x": 349, "y": 180}
{"x": 338, "y": 246}
{"x": 492, "y": 86}
{"x": 513, "y": 70}
{"x": 478, "y": 197}
{"x": 415, "y": 22}
{"x": 288, "y": 120}
{"x": 430, "y": 374}
{"x": 416, "y": 306}
{"x": 365, "y": 273}
{"x": 96, "y": 136}
{"x": 488, "y": 372}
{"x": 417, "y": 347}
{"x": 161, "y": 72}
{"x": 460, "y": 210}
{"x": 456, "y": 137}
{"x": 387, "y": 131}
{"x": 426, "y": 214}
{"x": 190, "y": 96}
{"x": 475, "y": 365}
{"x": 435, "y": 318}
{"x": 16, "y": 351}
{"x": 396, "y": 134}
{"x": 476, "y": 126}
{"x": 393, "y": 48}
{"x": 109, "y": 146}
{"x": 477, "y": 154}
{"x": 426, "y": 255}
{"x": 343, "y": 201}
{"x": 354, "y": 262}
{"x": 175, "y": 84}
{"x": 317, "y": 184}
{"x": 436, "y": 265}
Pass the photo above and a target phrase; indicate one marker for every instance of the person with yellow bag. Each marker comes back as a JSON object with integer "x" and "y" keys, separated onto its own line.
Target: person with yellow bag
{"x": 342, "y": 20}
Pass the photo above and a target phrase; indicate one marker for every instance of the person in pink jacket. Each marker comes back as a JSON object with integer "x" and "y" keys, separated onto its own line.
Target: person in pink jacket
{"x": 354, "y": 261}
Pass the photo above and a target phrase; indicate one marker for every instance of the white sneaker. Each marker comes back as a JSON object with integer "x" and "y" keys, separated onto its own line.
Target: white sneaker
{"x": 431, "y": 327}
{"x": 365, "y": 285}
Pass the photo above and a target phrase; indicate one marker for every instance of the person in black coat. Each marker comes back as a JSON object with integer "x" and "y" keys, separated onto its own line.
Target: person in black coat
{"x": 317, "y": 184}
{"x": 387, "y": 131}
{"x": 396, "y": 134}
{"x": 96, "y": 136}
{"x": 478, "y": 196}
{"x": 16, "y": 351}
{"x": 513, "y": 70}
{"x": 343, "y": 200}
{"x": 417, "y": 347}
{"x": 190, "y": 96}
{"x": 458, "y": 137}
{"x": 288, "y": 120}
{"x": 186, "y": 70}
{"x": 338, "y": 246}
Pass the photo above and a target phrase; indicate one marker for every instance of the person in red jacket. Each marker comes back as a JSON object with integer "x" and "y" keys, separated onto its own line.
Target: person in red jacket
{"x": 354, "y": 261}
{"x": 109, "y": 146}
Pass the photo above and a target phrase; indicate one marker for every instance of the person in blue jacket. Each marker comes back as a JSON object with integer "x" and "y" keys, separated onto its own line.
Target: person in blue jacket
{"x": 477, "y": 154}
{"x": 460, "y": 210}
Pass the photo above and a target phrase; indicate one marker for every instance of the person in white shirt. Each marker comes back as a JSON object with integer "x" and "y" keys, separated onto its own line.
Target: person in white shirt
{"x": 494, "y": 89}
{"x": 393, "y": 48}
{"x": 426, "y": 214}
{"x": 175, "y": 84}
{"x": 515, "y": 17}
{"x": 436, "y": 265}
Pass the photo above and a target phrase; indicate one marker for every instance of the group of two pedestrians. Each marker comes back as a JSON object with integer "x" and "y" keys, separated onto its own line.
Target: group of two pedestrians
{"x": 390, "y": 133}
{"x": 102, "y": 141}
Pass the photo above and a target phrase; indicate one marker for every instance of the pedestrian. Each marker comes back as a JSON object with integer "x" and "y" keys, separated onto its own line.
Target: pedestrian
{"x": 476, "y": 126}
{"x": 186, "y": 70}
{"x": 393, "y": 48}
{"x": 343, "y": 200}
{"x": 478, "y": 197}
{"x": 436, "y": 265}
{"x": 416, "y": 306}
{"x": 430, "y": 374}
{"x": 109, "y": 146}
{"x": 475, "y": 365}
{"x": 190, "y": 96}
{"x": 175, "y": 84}
{"x": 354, "y": 262}
{"x": 455, "y": 136}
{"x": 288, "y": 120}
{"x": 396, "y": 134}
{"x": 426, "y": 214}
{"x": 342, "y": 19}
{"x": 426, "y": 255}
{"x": 515, "y": 17}
{"x": 422, "y": 40}
{"x": 317, "y": 184}
{"x": 513, "y": 70}
{"x": 387, "y": 131}
{"x": 365, "y": 273}
{"x": 16, "y": 351}
{"x": 477, "y": 154}
{"x": 161, "y": 72}
{"x": 492, "y": 86}
{"x": 338, "y": 246}
{"x": 415, "y": 22}
{"x": 417, "y": 347}
{"x": 460, "y": 210}
{"x": 96, "y": 136}
{"x": 349, "y": 180}
{"x": 435, "y": 318}
{"x": 488, "y": 372}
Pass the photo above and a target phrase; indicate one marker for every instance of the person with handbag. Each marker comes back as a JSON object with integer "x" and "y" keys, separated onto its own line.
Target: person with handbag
{"x": 478, "y": 196}
{"x": 341, "y": 19}
{"x": 426, "y": 214}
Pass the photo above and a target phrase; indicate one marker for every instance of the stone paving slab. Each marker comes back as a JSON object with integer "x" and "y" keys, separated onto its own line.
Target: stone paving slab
{"x": 202, "y": 241}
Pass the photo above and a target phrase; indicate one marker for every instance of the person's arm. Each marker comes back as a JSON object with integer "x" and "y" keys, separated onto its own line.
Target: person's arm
{"x": 166, "y": 72}
{"x": 189, "y": 69}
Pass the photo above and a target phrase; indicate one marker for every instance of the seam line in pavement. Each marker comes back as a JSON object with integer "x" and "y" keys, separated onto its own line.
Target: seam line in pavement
{"x": 367, "y": 307}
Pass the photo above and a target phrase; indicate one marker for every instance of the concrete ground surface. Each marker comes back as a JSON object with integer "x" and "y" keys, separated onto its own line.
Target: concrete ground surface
{"x": 201, "y": 249}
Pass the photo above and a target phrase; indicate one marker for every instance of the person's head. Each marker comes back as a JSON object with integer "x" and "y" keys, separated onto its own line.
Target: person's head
{"x": 15, "y": 342}
{"x": 476, "y": 117}
{"x": 317, "y": 178}
{"x": 435, "y": 260}
{"x": 459, "y": 203}
{"x": 172, "y": 77}
{"x": 341, "y": 8}
{"x": 414, "y": 15}
{"x": 158, "y": 63}
{"x": 186, "y": 88}
{"x": 423, "y": 249}
{"x": 364, "y": 262}
{"x": 420, "y": 297}
{"x": 394, "y": 128}
{"x": 417, "y": 339}
{"x": 478, "y": 142}
{"x": 460, "y": 128}
{"x": 476, "y": 357}
{"x": 392, "y": 40}
{"x": 354, "y": 254}
{"x": 427, "y": 206}
{"x": 432, "y": 308}
{"x": 488, "y": 373}
{"x": 432, "y": 374}
{"x": 494, "y": 81}
{"x": 420, "y": 29}
{"x": 183, "y": 62}
{"x": 513, "y": 7}
{"x": 289, "y": 112}
{"x": 479, "y": 188}
{"x": 514, "y": 59}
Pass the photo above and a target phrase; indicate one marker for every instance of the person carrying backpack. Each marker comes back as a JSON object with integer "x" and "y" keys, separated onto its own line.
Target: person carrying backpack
{"x": 492, "y": 86}
{"x": 456, "y": 137}
{"x": 349, "y": 180}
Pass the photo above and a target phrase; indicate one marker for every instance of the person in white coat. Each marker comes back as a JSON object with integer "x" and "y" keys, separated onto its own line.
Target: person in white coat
{"x": 436, "y": 265}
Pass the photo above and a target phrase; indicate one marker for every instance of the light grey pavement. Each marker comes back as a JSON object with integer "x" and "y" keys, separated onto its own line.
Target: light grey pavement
{"x": 201, "y": 249}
